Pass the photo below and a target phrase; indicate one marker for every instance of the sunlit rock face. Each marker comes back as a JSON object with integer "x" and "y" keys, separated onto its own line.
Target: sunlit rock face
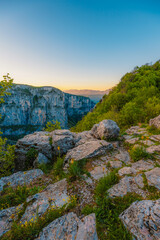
{"x": 29, "y": 108}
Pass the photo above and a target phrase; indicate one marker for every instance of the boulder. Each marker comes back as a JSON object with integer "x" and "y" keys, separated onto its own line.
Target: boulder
{"x": 70, "y": 227}
{"x": 155, "y": 122}
{"x": 107, "y": 129}
{"x": 115, "y": 164}
{"x": 126, "y": 185}
{"x": 88, "y": 150}
{"x": 54, "y": 195}
{"x": 142, "y": 219}
{"x": 41, "y": 159}
{"x": 40, "y": 141}
{"x": 123, "y": 156}
{"x": 7, "y": 216}
{"x": 20, "y": 178}
{"x": 126, "y": 171}
{"x": 155, "y": 138}
{"x": 83, "y": 137}
{"x": 143, "y": 165}
{"x": 153, "y": 149}
{"x": 132, "y": 140}
{"x": 99, "y": 172}
{"x": 153, "y": 177}
{"x": 62, "y": 141}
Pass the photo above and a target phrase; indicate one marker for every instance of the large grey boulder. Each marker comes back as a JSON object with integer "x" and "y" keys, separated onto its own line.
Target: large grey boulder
{"x": 155, "y": 122}
{"x": 7, "y": 216}
{"x": 20, "y": 178}
{"x": 107, "y": 129}
{"x": 70, "y": 227}
{"x": 88, "y": 150}
{"x": 62, "y": 141}
{"x": 153, "y": 177}
{"x": 142, "y": 219}
{"x": 54, "y": 195}
{"x": 40, "y": 141}
{"x": 126, "y": 185}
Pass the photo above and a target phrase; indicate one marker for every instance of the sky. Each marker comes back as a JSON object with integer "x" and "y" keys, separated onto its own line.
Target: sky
{"x": 77, "y": 44}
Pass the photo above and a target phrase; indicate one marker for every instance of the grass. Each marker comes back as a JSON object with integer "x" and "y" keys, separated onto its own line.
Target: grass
{"x": 153, "y": 130}
{"x": 30, "y": 230}
{"x": 76, "y": 169}
{"x": 57, "y": 171}
{"x": 107, "y": 217}
{"x": 105, "y": 183}
{"x": 108, "y": 209}
{"x": 13, "y": 197}
{"x": 154, "y": 194}
{"x": 138, "y": 153}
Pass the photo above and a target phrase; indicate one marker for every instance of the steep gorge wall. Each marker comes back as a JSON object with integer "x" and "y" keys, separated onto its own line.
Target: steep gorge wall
{"x": 29, "y": 108}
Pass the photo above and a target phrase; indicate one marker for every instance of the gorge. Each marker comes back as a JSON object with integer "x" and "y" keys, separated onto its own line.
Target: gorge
{"x": 29, "y": 108}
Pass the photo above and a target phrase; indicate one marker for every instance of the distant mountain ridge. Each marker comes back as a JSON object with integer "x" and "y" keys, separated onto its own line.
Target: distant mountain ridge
{"x": 94, "y": 95}
{"x": 29, "y": 108}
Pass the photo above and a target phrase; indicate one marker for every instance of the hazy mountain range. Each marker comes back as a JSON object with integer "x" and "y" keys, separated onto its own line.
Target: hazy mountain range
{"x": 94, "y": 95}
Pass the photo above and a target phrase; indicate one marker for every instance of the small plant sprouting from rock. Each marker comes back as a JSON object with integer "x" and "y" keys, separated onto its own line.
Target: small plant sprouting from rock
{"x": 51, "y": 126}
{"x": 76, "y": 169}
{"x": 138, "y": 153}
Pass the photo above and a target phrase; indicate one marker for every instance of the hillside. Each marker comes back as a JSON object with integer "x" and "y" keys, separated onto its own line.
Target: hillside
{"x": 94, "y": 95}
{"x": 135, "y": 99}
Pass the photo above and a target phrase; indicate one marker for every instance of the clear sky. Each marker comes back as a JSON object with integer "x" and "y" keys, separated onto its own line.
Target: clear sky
{"x": 82, "y": 44}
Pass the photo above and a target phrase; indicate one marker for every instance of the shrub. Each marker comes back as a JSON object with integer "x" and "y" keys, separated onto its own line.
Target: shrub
{"x": 76, "y": 169}
{"x": 51, "y": 126}
{"x": 12, "y": 197}
{"x": 31, "y": 155}
{"x": 7, "y": 156}
{"x": 138, "y": 153}
{"x": 58, "y": 168}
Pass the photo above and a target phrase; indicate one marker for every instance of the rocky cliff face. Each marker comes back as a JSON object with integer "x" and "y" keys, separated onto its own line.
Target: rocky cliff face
{"x": 30, "y": 108}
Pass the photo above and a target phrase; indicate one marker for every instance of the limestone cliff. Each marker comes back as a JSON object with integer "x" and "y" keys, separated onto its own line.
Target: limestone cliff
{"x": 29, "y": 108}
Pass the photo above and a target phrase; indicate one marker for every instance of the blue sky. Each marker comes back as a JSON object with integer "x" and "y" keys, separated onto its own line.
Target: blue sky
{"x": 83, "y": 44}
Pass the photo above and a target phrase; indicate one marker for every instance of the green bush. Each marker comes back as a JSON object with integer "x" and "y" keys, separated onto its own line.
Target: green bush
{"x": 138, "y": 153}
{"x": 76, "y": 169}
{"x": 7, "y": 156}
{"x": 51, "y": 126}
{"x": 31, "y": 155}
{"x": 15, "y": 196}
{"x": 58, "y": 169}
{"x": 136, "y": 99}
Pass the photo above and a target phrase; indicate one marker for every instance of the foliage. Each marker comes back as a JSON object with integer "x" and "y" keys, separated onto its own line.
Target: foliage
{"x": 31, "y": 155}
{"x": 105, "y": 183}
{"x": 6, "y": 151}
{"x": 58, "y": 168}
{"x": 153, "y": 130}
{"x": 6, "y": 158}
{"x": 13, "y": 197}
{"x": 135, "y": 99}
{"x": 138, "y": 153}
{"x": 51, "y": 126}
{"x": 76, "y": 169}
{"x": 107, "y": 216}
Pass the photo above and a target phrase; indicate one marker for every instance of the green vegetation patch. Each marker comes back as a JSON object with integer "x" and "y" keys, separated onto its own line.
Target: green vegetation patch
{"x": 136, "y": 99}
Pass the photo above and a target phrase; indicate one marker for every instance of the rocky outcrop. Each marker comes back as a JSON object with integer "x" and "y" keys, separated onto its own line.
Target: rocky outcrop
{"x": 57, "y": 143}
{"x": 107, "y": 129}
{"x": 7, "y": 216}
{"x": 20, "y": 178}
{"x": 70, "y": 227}
{"x": 142, "y": 219}
{"x": 54, "y": 195}
{"x": 29, "y": 108}
{"x": 155, "y": 122}
{"x": 89, "y": 149}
